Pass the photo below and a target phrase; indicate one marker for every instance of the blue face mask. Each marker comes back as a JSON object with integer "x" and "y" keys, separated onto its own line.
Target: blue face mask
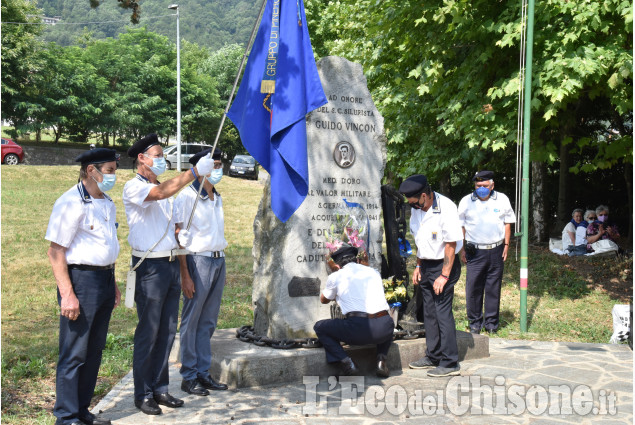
{"x": 107, "y": 183}
{"x": 217, "y": 174}
{"x": 158, "y": 166}
{"x": 482, "y": 192}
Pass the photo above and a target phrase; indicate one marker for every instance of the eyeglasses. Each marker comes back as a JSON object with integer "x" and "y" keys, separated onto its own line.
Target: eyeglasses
{"x": 602, "y": 214}
{"x": 153, "y": 156}
{"x": 592, "y": 218}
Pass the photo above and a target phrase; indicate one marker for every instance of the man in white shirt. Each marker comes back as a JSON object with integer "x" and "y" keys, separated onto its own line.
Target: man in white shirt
{"x": 359, "y": 292}
{"x": 486, "y": 216}
{"x": 434, "y": 223}
{"x": 151, "y": 220}
{"x": 202, "y": 276}
{"x": 84, "y": 247}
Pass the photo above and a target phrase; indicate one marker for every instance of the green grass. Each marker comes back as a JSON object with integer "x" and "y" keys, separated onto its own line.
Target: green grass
{"x": 568, "y": 299}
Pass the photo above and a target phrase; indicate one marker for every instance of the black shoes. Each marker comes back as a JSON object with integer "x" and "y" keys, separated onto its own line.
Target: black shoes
{"x": 148, "y": 406}
{"x": 423, "y": 363}
{"x": 91, "y": 419}
{"x": 348, "y": 368}
{"x": 475, "y": 330}
{"x": 167, "y": 400}
{"x": 210, "y": 384}
{"x": 382, "y": 369}
{"x": 193, "y": 387}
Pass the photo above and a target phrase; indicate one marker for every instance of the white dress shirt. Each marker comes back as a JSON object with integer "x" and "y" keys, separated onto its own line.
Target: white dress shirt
{"x": 484, "y": 221}
{"x": 432, "y": 229}
{"x": 356, "y": 287}
{"x": 208, "y": 224}
{"x": 148, "y": 220}
{"x": 85, "y": 226}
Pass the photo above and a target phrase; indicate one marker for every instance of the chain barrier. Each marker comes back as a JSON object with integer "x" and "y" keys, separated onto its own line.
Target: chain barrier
{"x": 246, "y": 334}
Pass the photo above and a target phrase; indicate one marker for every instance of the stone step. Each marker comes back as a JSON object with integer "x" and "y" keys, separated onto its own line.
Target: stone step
{"x": 241, "y": 364}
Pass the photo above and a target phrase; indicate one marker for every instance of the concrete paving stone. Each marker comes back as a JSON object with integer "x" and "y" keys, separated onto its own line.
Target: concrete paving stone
{"x": 491, "y": 372}
{"x": 520, "y": 346}
{"x": 514, "y": 362}
{"x": 570, "y": 373}
{"x": 623, "y": 354}
{"x": 485, "y": 420}
{"x": 619, "y": 387}
{"x": 431, "y": 420}
{"x": 609, "y": 421}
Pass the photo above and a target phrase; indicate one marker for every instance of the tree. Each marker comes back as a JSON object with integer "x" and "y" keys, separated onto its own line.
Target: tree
{"x": 19, "y": 58}
{"x": 445, "y": 77}
{"x": 223, "y": 66}
{"x": 201, "y": 107}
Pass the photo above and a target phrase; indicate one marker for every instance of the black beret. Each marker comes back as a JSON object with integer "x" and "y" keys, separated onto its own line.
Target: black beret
{"x": 343, "y": 252}
{"x": 195, "y": 158}
{"x": 143, "y": 145}
{"x": 97, "y": 156}
{"x": 413, "y": 185}
{"x": 481, "y": 176}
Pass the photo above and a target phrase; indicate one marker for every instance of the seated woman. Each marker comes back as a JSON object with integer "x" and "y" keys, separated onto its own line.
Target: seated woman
{"x": 602, "y": 228}
{"x": 568, "y": 233}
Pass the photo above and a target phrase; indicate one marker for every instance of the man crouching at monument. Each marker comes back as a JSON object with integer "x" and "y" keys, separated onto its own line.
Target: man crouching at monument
{"x": 359, "y": 292}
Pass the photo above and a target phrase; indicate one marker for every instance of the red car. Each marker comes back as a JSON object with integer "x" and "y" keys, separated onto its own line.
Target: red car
{"x": 12, "y": 153}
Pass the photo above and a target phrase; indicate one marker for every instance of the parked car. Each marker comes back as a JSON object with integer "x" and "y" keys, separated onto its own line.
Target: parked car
{"x": 187, "y": 151}
{"x": 244, "y": 166}
{"x": 12, "y": 153}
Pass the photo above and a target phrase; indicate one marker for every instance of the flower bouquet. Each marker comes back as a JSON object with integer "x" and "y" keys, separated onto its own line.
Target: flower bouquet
{"x": 350, "y": 228}
{"x": 395, "y": 290}
{"x": 397, "y": 297}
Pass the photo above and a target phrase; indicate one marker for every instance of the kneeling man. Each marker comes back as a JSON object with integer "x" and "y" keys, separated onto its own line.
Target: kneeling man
{"x": 359, "y": 292}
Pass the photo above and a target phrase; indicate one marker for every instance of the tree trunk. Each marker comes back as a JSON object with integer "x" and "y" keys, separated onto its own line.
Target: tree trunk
{"x": 38, "y": 135}
{"x": 628, "y": 176}
{"x": 564, "y": 207}
{"x": 444, "y": 185}
{"x": 537, "y": 206}
{"x": 58, "y": 133}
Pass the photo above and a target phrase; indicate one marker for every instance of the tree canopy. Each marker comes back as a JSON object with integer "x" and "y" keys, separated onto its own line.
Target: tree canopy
{"x": 445, "y": 75}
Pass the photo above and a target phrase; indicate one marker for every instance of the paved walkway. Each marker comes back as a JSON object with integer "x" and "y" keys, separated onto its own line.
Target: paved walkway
{"x": 522, "y": 382}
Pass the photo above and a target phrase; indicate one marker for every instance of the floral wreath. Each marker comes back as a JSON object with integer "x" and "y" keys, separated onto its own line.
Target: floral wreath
{"x": 350, "y": 227}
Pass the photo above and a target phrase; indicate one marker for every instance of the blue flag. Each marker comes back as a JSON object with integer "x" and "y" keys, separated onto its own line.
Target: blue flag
{"x": 280, "y": 86}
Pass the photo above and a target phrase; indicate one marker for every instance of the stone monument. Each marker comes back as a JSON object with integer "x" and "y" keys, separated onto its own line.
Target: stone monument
{"x": 346, "y": 148}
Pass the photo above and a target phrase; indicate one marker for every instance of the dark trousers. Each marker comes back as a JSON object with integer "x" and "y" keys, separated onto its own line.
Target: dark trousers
{"x": 157, "y": 295}
{"x": 81, "y": 343}
{"x": 354, "y": 331}
{"x": 200, "y": 314}
{"x": 484, "y": 277}
{"x": 438, "y": 319}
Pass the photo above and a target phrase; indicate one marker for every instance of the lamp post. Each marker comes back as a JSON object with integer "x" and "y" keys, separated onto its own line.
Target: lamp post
{"x": 178, "y": 88}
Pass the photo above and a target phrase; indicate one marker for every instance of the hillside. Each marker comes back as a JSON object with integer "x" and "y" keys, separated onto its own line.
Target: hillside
{"x": 210, "y": 23}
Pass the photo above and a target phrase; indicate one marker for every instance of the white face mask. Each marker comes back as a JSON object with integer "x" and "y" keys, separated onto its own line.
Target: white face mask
{"x": 217, "y": 174}
{"x": 107, "y": 183}
{"x": 158, "y": 165}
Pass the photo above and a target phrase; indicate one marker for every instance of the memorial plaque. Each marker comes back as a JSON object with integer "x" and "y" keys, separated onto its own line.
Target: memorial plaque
{"x": 347, "y": 154}
{"x": 304, "y": 287}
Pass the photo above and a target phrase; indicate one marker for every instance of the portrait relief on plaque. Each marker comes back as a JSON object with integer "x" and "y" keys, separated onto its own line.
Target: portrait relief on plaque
{"x": 344, "y": 154}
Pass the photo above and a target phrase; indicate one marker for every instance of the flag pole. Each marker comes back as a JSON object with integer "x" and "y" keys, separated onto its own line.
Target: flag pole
{"x": 524, "y": 251}
{"x": 229, "y": 101}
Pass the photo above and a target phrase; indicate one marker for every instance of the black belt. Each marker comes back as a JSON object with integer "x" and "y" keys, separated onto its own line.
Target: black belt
{"x": 367, "y": 315}
{"x": 90, "y": 268}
